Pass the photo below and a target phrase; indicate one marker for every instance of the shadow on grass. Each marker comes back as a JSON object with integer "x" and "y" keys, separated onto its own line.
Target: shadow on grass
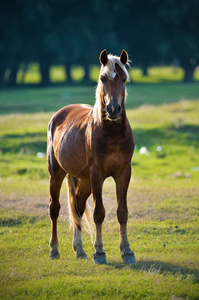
{"x": 36, "y": 141}
{"x": 17, "y": 220}
{"x": 182, "y": 134}
{"x": 27, "y": 143}
{"x": 158, "y": 267}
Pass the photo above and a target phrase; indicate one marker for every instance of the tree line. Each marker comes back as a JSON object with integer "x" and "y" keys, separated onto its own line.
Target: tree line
{"x": 73, "y": 32}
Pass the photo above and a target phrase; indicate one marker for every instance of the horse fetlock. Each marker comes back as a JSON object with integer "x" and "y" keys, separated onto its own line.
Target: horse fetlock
{"x": 54, "y": 253}
{"x": 124, "y": 246}
{"x": 99, "y": 247}
{"x": 53, "y": 243}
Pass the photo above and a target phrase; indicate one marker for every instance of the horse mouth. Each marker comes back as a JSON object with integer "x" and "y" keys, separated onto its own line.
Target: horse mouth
{"x": 113, "y": 118}
{"x": 113, "y": 112}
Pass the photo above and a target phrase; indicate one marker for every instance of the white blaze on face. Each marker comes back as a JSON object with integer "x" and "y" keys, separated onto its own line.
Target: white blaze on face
{"x": 114, "y": 74}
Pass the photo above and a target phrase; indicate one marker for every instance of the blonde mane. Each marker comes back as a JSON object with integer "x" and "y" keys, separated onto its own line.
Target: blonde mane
{"x": 109, "y": 70}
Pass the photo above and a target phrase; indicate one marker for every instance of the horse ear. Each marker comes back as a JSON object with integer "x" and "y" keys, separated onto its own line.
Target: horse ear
{"x": 103, "y": 57}
{"x": 124, "y": 57}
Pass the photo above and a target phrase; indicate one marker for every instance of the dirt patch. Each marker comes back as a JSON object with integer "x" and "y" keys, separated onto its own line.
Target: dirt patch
{"x": 143, "y": 202}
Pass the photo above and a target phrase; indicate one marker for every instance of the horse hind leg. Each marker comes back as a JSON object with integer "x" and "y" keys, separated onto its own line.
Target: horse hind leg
{"x": 57, "y": 176}
{"x": 55, "y": 186}
{"x": 78, "y": 192}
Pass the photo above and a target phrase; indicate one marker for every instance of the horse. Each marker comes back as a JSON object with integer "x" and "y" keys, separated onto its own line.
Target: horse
{"x": 86, "y": 144}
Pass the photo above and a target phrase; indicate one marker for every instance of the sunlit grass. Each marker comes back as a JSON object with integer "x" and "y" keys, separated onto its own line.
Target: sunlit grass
{"x": 94, "y": 73}
{"x": 77, "y": 73}
{"x": 156, "y": 74}
{"x": 58, "y": 74}
{"x": 30, "y": 75}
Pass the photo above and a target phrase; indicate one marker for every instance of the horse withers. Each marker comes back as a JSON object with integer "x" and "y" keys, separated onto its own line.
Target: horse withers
{"x": 86, "y": 145}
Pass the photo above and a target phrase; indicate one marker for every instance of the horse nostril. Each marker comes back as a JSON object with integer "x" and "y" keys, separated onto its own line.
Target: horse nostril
{"x": 113, "y": 110}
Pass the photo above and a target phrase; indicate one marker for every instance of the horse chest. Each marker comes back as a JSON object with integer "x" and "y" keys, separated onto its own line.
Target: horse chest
{"x": 112, "y": 162}
{"x": 113, "y": 156}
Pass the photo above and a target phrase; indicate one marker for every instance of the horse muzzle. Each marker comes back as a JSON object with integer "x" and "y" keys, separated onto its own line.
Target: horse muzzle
{"x": 113, "y": 111}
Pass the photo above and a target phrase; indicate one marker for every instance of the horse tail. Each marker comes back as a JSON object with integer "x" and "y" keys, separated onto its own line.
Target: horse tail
{"x": 51, "y": 129}
{"x": 75, "y": 218}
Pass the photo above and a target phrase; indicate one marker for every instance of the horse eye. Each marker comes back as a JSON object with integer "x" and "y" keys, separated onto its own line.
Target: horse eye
{"x": 103, "y": 79}
{"x": 124, "y": 80}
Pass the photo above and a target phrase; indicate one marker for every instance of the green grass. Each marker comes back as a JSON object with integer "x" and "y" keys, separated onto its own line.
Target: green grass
{"x": 163, "y": 199}
{"x": 167, "y": 262}
{"x": 34, "y": 100}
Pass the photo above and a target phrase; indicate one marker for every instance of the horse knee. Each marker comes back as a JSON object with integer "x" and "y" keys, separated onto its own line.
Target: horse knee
{"x": 99, "y": 215}
{"x": 122, "y": 215}
{"x": 55, "y": 186}
{"x": 54, "y": 210}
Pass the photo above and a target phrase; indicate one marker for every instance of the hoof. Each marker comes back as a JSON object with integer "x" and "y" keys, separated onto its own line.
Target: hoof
{"x": 54, "y": 253}
{"x": 129, "y": 258}
{"x": 100, "y": 258}
{"x": 82, "y": 255}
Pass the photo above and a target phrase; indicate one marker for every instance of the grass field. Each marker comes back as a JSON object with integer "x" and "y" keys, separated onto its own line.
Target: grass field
{"x": 163, "y": 200}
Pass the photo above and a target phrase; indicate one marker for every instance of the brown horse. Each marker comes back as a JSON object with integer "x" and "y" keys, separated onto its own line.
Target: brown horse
{"x": 86, "y": 145}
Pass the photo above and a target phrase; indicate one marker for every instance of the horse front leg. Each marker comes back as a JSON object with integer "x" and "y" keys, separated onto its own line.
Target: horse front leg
{"x": 98, "y": 215}
{"x": 122, "y": 183}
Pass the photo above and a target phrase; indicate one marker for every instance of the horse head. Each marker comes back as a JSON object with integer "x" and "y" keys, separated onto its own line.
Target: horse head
{"x": 112, "y": 81}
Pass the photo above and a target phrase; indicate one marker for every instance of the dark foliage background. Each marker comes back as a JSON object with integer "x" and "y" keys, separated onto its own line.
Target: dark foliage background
{"x": 72, "y": 32}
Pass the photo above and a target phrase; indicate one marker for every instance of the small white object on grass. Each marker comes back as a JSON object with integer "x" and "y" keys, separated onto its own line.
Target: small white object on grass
{"x": 143, "y": 150}
{"x": 41, "y": 154}
{"x": 159, "y": 148}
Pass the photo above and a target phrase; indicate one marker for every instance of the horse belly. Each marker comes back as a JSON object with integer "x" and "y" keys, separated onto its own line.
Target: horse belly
{"x": 71, "y": 155}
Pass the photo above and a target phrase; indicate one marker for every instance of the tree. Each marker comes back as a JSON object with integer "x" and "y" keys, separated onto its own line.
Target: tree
{"x": 180, "y": 33}
{"x": 74, "y": 32}
{"x": 138, "y": 30}
{"x": 10, "y": 41}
